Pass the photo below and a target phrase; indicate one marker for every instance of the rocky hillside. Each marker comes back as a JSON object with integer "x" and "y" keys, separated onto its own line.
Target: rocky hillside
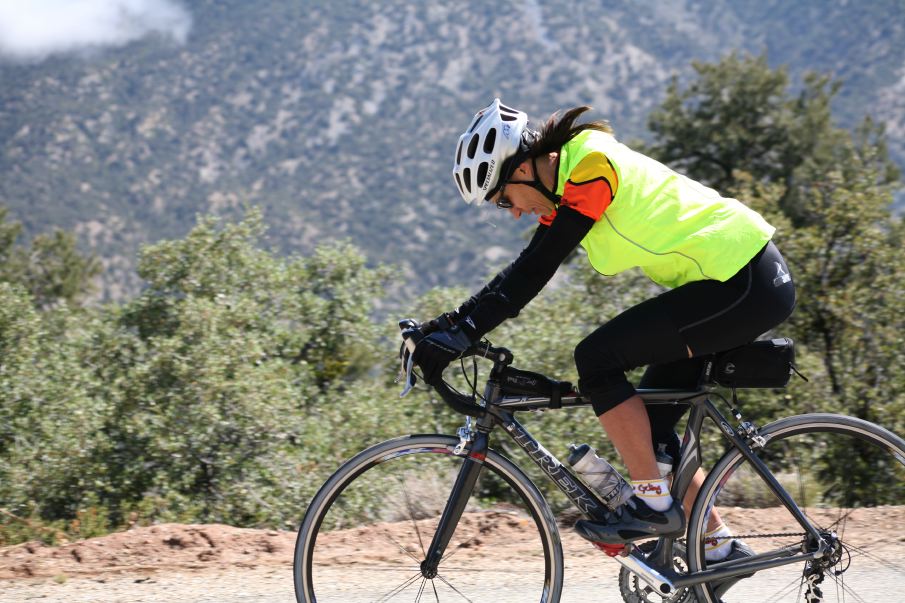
{"x": 339, "y": 118}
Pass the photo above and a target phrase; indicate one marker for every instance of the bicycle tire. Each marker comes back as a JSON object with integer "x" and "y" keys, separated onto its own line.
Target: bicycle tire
{"x": 825, "y": 462}
{"x": 378, "y": 502}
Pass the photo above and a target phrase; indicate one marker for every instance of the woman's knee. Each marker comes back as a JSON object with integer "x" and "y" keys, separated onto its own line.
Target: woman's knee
{"x": 601, "y": 373}
{"x": 598, "y": 353}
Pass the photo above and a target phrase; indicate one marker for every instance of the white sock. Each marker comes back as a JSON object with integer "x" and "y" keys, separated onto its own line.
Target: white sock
{"x": 718, "y": 543}
{"x": 654, "y": 493}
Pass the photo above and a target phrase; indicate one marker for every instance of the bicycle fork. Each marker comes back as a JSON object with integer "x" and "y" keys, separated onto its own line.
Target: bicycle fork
{"x": 455, "y": 505}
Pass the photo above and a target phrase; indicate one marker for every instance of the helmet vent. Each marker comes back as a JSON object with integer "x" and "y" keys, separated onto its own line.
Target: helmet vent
{"x": 473, "y": 146}
{"x": 474, "y": 122}
{"x": 459, "y": 183}
{"x": 459, "y": 153}
{"x": 466, "y": 175}
{"x": 482, "y": 173}
{"x": 507, "y": 114}
{"x": 490, "y": 140}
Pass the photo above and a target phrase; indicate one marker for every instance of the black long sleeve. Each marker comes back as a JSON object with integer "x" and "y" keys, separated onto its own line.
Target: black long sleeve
{"x": 466, "y": 308}
{"x": 516, "y": 285}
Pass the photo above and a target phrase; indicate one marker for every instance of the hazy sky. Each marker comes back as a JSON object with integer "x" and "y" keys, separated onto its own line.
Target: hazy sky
{"x": 31, "y": 30}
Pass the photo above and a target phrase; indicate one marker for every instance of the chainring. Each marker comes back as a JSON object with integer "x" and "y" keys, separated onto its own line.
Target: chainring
{"x": 636, "y": 590}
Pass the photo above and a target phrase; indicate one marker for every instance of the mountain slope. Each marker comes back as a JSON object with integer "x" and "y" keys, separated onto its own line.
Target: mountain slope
{"x": 340, "y": 118}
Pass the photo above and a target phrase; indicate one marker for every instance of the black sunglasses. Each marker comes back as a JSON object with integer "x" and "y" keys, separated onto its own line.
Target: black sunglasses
{"x": 505, "y": 175}
{"x": 503, "y": 202}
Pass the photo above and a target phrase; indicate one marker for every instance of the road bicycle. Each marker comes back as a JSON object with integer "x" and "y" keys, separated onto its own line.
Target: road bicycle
{"x": 417, "y": 510}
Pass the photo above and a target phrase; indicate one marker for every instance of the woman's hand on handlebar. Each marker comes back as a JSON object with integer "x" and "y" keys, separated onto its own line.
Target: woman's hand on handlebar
{"x": 434, "y": 352}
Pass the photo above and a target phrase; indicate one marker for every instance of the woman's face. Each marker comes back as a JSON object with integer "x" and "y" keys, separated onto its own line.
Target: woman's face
{"x": 524, "y": 198}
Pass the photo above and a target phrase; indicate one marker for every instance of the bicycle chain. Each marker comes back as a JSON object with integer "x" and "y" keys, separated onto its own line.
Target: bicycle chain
{"x": 750, "y": 536}
{"x": 778, "y": 534}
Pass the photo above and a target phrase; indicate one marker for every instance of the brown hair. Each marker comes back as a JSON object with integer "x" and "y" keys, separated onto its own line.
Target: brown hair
{"x": 561, "y": 128}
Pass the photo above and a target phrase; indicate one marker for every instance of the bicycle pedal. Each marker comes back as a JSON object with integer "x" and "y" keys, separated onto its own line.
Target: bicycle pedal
{"x": 614, "y": 550}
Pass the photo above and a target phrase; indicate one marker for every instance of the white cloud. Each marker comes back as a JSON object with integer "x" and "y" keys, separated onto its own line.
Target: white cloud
{"x": 33, "y": 29}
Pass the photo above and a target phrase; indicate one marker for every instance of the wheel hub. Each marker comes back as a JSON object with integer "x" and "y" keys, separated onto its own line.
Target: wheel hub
{"x": 834, "y": 553}
{"x": 428, "y": 571}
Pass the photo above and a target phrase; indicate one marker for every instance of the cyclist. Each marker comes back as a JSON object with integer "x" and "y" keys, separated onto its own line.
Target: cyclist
{"x": 727, "y": 284}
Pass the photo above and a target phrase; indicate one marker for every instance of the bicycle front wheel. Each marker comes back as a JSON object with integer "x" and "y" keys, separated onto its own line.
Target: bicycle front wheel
{"x": 367, "y": 531}
{"x": 848, "y": 477}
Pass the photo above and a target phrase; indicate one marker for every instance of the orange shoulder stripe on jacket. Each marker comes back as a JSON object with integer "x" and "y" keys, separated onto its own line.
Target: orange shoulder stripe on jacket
{"x": 590, "y": 189}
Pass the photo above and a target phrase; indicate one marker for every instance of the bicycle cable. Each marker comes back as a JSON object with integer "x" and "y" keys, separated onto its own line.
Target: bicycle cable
{"x": 474, "y": 385}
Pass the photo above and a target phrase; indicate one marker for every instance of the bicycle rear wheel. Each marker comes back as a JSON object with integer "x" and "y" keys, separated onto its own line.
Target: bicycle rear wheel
{"x": 848, "y": 477}
{"x": 367, "y": 530}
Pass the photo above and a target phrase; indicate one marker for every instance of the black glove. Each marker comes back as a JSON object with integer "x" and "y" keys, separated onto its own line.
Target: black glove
{"x": 434, "y": 353}
{"x": 442, "y": 322}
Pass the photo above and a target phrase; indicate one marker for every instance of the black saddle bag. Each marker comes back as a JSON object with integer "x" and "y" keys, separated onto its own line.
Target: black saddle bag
{"x": 768, "y": 363}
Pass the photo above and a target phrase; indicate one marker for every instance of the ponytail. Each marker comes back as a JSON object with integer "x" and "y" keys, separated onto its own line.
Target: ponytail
{"x": 560, "y": 129}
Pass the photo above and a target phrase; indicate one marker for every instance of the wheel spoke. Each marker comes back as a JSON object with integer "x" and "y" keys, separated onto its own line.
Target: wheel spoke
{"x": 454, "y": 588}
{"x": 402, "y": 548}
{"x": 385, "y": 500}
{"x": 436, "y": 595}
{"x": 399, "y": 588}
{"x": 802, "y": 495}
{"x": 459, "y": 547}
{"x": 820, "y": 463}
{"x": 780, "y": 594}
{"x": 843, "y": 518}
{"x": 846, "y": 589}
{"x": 864, "y": 553}
{"x": 411, "y": 509}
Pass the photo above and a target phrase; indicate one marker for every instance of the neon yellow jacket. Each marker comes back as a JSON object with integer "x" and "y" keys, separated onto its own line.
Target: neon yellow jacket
{"x": 677, "y": 230}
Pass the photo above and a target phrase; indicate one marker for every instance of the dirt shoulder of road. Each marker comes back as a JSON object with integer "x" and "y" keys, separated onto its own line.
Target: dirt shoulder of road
{"x": 149, "y": 549}
{"x": 168, "y": 547}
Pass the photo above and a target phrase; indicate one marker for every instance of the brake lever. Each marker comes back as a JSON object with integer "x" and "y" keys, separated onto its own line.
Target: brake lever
{"x": 408, "y": 366}
{"x": 407, "y": 355}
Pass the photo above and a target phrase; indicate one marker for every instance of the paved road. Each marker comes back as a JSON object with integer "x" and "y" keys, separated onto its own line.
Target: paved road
{"x": 589, "y": 579}
{"x": 272, "y": 584}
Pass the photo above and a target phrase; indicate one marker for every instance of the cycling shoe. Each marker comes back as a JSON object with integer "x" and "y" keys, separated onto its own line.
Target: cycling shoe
{"x": 740, "y": 550}
{"x": 632, "y": 521}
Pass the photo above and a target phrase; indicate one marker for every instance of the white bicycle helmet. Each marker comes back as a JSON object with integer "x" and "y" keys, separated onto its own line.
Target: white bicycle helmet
{"x": 494, "y": 136}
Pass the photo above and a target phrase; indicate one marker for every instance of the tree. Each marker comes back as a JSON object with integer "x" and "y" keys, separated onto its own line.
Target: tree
{"x": 52, "y": 269}
{"x": 828, "y": 191}
{"x": 50, "y": 415}
{"x": 213, "y": 396}
{"x": 739, "y": 116}
{"x": 216, "y": 364}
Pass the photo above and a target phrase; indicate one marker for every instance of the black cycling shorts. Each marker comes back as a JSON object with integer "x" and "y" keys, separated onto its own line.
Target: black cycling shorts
{"x": 706, "y": 316}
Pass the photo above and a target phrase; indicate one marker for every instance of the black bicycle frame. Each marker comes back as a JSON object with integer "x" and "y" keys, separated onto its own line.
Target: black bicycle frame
{"x": 690, "y": 461}
{"x": 580, "y": 495}
{"x": 588, "y": 502}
